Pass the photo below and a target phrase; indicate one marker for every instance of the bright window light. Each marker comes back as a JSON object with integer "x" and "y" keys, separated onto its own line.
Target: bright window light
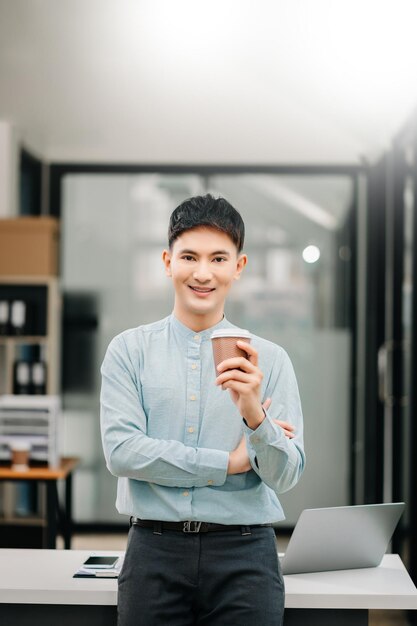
{"x": 311, "y": 254}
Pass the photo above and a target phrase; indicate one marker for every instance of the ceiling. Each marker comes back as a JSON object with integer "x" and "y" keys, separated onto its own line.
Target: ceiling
{"x": 225, "y": 81}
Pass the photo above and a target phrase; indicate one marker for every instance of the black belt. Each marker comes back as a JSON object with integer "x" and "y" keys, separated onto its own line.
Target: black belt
{"x": 191, "y": 527}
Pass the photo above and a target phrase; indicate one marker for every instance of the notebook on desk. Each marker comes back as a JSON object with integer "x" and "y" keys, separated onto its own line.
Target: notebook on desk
{"x": 344, "y": 537}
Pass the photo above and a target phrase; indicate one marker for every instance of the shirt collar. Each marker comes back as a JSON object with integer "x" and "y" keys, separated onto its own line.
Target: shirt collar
{"x": 187, "y": 333}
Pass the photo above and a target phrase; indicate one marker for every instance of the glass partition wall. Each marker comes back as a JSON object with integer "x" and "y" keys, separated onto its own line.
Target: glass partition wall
{"x": 297, "y": 290}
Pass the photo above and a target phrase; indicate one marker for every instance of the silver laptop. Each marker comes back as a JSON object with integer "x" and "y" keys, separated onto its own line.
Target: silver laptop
{"x": 344, "y": 537}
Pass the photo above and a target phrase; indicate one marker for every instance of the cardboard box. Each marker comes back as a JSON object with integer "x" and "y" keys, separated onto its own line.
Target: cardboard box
{"x": 29, "y": 246}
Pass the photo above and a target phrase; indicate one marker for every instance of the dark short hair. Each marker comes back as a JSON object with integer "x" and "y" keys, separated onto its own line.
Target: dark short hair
{"x": 207, "y": 211}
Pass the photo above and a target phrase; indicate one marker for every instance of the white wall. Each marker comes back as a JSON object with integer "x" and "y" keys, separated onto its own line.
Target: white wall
{"x": 9, "y": 164}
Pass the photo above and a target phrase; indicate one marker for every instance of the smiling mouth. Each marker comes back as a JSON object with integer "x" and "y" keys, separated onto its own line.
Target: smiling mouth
{"x": 201, "y": 289}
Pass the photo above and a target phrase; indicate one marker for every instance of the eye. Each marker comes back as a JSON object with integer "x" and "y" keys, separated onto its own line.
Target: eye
{"x": 187, "y": 257}
{"x": 219, "y": 259}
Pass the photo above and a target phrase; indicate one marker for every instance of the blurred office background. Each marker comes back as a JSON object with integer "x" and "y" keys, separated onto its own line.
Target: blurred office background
{"x": 302, "y": 114}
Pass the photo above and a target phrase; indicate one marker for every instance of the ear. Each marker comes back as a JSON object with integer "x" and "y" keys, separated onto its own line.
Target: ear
{"x": 166, "y": 259}
{"x": 240, "y": 264}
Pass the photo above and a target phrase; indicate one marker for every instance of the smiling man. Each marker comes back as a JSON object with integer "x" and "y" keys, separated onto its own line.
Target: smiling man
{"x": 203, "y": 263}
{"x": 200, "y": 456}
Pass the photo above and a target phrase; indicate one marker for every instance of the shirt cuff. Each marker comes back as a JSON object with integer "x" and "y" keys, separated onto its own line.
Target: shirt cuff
{"x": 213, "y": 467}
{"x": 267, "y": 433}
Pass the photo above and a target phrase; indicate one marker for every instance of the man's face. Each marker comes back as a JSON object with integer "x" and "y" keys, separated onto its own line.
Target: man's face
{"x": 203, "y": 264}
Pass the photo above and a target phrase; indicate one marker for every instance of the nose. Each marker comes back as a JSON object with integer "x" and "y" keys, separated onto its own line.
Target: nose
{"x": 202, "y": 273}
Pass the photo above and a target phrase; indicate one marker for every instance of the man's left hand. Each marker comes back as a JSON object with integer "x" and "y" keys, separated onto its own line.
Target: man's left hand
{"x": 243, "y": 378}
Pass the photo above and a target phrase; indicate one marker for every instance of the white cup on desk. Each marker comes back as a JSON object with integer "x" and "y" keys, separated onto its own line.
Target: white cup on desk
{"x": 20, "y": 453}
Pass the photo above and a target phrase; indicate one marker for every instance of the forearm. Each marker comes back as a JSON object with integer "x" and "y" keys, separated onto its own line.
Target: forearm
{"x": 277, "y": 460}
{"x": 167, "y": 463}
{"x": 130, "y": 452}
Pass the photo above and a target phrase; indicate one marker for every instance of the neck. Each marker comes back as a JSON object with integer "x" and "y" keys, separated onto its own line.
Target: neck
{"x": 198, "y": 323}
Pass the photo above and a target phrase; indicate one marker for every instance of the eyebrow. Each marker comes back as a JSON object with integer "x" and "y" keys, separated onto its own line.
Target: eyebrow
{"x": 187, "y": 251}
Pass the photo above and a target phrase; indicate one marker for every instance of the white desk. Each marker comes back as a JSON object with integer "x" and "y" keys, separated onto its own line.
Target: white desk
{"x": 36, "y": 587}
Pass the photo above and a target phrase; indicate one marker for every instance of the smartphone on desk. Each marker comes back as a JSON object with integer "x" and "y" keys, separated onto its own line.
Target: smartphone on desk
{"x": 101, "y": 562}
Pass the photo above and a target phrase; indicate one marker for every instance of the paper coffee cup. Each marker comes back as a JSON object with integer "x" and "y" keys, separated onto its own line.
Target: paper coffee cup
{"x": 20, "y": 451}
{"x": 224, "y": 344}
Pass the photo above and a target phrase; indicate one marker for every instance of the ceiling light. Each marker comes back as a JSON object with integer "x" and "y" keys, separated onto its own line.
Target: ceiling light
{"x": 311, "y": 254}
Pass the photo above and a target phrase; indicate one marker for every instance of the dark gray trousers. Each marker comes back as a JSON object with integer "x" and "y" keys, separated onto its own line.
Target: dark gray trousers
{"x": 220, "y": 578}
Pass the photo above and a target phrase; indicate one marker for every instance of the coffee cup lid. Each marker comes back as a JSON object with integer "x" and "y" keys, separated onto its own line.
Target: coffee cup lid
{"x": 21, "y": 446}
{"x": 231, "y": 332}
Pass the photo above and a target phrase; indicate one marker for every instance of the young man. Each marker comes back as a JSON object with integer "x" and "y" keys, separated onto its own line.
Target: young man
{"x": 200, "y": 455}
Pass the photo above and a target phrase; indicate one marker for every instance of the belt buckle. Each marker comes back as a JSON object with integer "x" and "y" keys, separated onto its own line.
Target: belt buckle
{"x": 191, "y": 527}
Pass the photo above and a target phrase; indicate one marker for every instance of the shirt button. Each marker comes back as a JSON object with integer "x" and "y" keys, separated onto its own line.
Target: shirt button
{"x": 210, "y": 482}
{"x": 196, "y": 337}
{"x": 191, "y": 429}
{"x": 185, "y": 493}
{"x": 192, "y": 397}
{"x": 194, "y": 366}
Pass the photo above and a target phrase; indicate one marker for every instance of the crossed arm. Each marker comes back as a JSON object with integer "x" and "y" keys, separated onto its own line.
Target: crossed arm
{"x": 271, "y": 447}
{"x": 239, "y": 458}
{"x": 243, "y": 377}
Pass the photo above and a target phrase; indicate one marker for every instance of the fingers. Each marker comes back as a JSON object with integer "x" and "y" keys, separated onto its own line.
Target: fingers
{"x": 267, "y": 403}
{"x": 250, "y": 350}
{"x": 286, "y": 427}
{"x": 241, "y": 361}
{"x": 238, "y": 375}
{"x": 240, "y": 369}
{"x": 240, "y": 388}
{"x": 237, "y": 362}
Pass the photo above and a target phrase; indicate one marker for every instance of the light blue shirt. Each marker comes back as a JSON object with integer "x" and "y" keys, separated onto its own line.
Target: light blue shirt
{"x": 167, "y": 429}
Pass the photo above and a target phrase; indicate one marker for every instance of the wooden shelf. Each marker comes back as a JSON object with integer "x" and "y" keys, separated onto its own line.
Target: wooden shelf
{"x": 28, "y": 280}
{"x": 24, "y": 520}
{"x": 41, "y": 473}
{"x": 23, "y": 339}
{"x": 50, "y": 341}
